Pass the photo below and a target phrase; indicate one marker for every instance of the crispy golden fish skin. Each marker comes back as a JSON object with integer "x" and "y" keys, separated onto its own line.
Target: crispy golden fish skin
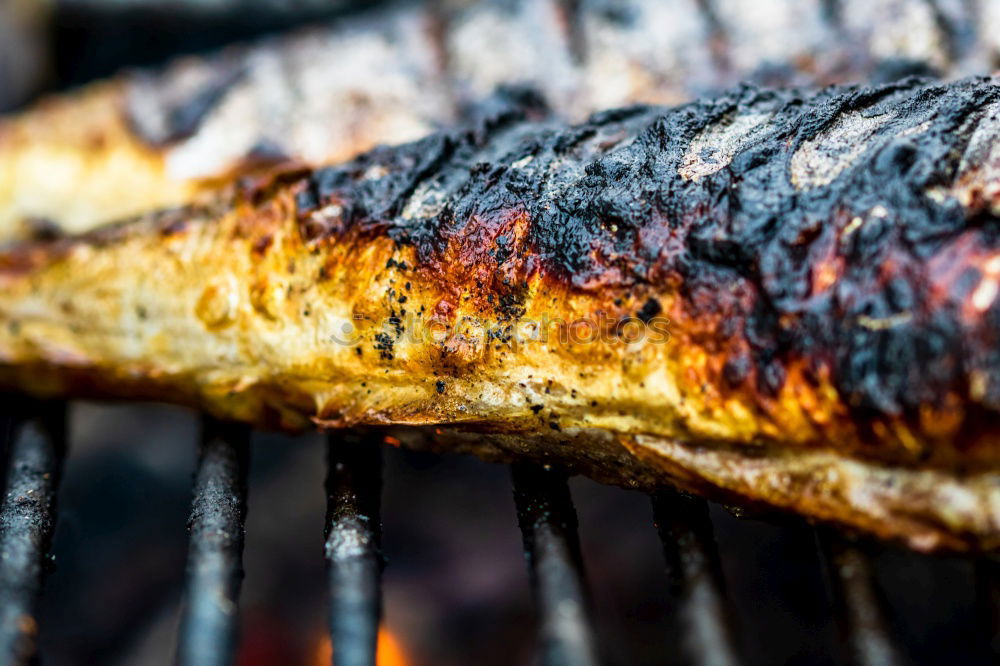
{"x": 768, "y": 296}
{"x": 149, "y": 140}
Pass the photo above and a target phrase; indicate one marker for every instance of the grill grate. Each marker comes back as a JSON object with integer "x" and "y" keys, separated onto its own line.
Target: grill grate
{"x": 548, "y": 524}
{"x": 27, "y": 519}
{"x": 215, "y": 557}
{"x": 353, "y": 546}
{"x": 208, "y": 632}
{"x": 695, "y": 577}
{"x": 857, "y": 603}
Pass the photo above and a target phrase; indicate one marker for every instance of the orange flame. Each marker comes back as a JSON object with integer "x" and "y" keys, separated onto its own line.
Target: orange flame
{"x": 390, "y": 651}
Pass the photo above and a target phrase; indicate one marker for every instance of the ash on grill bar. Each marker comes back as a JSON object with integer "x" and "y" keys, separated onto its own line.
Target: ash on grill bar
{"x": 811, "y": 213}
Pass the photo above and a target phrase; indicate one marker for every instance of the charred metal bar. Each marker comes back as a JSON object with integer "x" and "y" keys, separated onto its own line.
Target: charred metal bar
{"x": 548, "y": 524}
{"x": 354, "y": 546}
{"x": 27, "y": 519}
{"x": 215, "y": 557}
{"x": 695, "y": 575}
{"x": 857, "y": 603}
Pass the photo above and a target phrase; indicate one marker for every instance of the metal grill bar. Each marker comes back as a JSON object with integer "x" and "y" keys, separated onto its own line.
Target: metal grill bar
{"x": 548, "y": 524}
{"x": 27, "y": 520}
{"x": 856, "y": 602}
{"x": 354, "y": 546}
{"x": 209, "y": 621}
{"x": 695, "y": 575}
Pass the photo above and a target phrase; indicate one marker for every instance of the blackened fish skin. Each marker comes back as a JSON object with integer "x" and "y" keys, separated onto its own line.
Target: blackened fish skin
{"x": 817, "y": 275}
{"x": 607, "y": 209}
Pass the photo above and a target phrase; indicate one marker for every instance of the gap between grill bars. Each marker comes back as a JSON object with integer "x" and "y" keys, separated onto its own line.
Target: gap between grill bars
{"x": 36, "y": 445}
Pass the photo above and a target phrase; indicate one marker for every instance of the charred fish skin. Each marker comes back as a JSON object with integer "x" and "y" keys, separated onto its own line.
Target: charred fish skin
{"x": 815, "y": 276}
{"x": 830, "y": 215}
{"x": 155, "y": 139}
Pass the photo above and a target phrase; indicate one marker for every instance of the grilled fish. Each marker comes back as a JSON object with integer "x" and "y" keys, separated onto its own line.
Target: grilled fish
{"x": 153, "y": 139}
{"x": 766, "y": 296}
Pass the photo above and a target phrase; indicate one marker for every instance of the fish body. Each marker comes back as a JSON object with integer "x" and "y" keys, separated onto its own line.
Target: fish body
{"x": 768, "y": 296}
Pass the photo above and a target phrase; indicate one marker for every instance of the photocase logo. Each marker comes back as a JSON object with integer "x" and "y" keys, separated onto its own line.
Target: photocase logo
{"x": 411, "y": 328}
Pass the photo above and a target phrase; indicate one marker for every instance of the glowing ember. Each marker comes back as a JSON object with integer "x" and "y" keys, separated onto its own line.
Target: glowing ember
{"x": 390, "y": 651}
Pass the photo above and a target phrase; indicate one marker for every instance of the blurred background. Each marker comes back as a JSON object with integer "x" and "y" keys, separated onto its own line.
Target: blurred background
{"x": 54, "y": 44}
